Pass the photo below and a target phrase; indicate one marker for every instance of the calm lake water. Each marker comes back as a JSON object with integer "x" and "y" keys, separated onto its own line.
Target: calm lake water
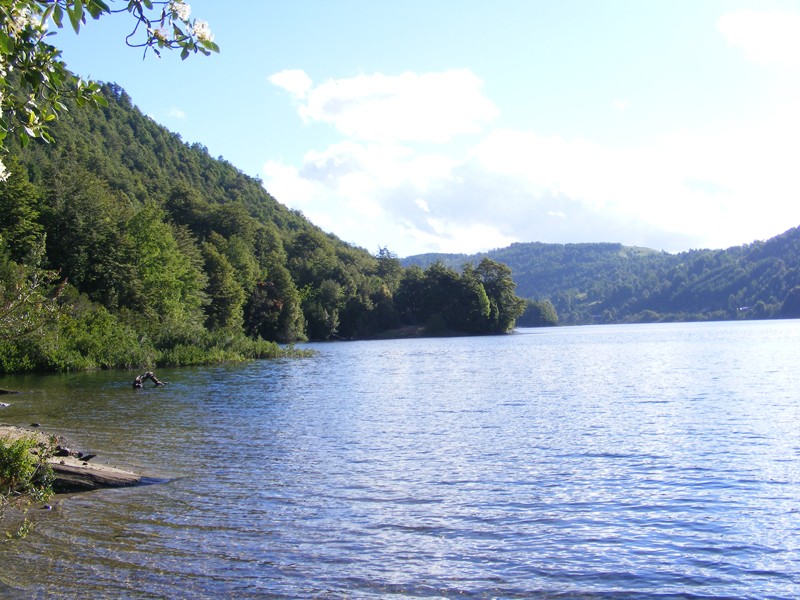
{"x": 591, "y": 462}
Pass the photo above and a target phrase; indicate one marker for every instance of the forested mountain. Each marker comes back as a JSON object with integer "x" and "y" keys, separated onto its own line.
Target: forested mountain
{"x": 122, "y": 246}
{"x": 612, "y": 283}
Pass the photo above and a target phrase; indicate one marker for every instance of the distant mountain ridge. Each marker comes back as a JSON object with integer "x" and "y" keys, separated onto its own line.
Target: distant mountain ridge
{"x": 610, "y": 282}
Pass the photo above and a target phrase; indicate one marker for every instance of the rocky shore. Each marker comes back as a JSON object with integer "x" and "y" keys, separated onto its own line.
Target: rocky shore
{"x": 75, "y": 471}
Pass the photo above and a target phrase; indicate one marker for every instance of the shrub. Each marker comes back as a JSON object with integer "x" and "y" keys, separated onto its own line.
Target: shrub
{"x": 24, "y": 469}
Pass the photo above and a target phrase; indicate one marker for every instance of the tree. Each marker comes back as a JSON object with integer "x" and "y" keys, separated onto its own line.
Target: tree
{"x": 86, "y": 238}
{"x": 226, "y": 295}
{"x": 273, "y": 310}
{"x": 170, "y": 287}
{"x": 389, "y": 268}
{"x": 506, "y": 306}
{"x": 538, "y": 314}
{"x": 28, "y": 296}
{"x": 321, "y": 308}
{"x": 19, "y": 214}
{"x": 408, "y": 299}
{"x": 790, "y": 309}
{"x": 34, "y": 82}
{"x": 28, "y": 293}
{"x": 475, "y": 306}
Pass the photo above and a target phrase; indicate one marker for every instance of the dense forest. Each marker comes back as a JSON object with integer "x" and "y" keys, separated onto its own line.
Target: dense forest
{"x": 612, "y": 283}
{"x": 122, "y": 246}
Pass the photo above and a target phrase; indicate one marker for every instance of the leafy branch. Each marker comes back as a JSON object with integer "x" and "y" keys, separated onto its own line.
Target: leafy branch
{"x": 35, "y": 82}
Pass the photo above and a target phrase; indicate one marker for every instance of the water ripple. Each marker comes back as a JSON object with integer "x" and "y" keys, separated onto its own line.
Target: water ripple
{"x": 614, "y": 462}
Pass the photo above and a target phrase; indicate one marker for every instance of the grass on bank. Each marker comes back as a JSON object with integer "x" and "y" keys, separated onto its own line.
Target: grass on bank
{"x": 97, "y": 340}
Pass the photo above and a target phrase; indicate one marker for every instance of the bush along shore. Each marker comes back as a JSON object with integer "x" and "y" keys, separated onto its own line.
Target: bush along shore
{"x": 35, "y": 465}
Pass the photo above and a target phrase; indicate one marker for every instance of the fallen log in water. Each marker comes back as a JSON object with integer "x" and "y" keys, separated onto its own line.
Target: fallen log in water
{"x": 140, "y": 379}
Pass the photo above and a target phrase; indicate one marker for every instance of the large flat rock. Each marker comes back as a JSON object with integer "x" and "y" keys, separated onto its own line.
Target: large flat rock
{"x": 74, "y": 475}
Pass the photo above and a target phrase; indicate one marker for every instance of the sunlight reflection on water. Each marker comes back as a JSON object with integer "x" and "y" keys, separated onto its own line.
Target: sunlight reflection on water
{"x": 599, "y": 461}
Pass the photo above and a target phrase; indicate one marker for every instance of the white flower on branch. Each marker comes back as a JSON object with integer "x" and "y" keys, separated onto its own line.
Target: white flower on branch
{"x": 180, "y": 9}
{"x": 201, "y": 31}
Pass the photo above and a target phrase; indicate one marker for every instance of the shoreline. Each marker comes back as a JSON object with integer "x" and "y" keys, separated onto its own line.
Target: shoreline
{"x": 73, "y": 472}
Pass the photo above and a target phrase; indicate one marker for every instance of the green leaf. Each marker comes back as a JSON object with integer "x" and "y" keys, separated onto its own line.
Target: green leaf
{"x": 73, "y": 18}
{"x": 46, "y": 14}
{"x": 57, "y": 78}
{"x": 96, "y": 8}
{"x": 58, "y": 15}
{"x": 75, "y": 15}
{"x": 6, "y": 43}
{"x": 208, "y": 45}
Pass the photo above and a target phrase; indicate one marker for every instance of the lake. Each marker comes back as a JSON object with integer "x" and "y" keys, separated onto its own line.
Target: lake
{"x": 592, "y": 462}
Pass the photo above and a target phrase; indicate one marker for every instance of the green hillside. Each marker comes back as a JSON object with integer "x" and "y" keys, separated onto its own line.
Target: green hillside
{"x": 612, "y": 283}
{"x": 122, "y": 246}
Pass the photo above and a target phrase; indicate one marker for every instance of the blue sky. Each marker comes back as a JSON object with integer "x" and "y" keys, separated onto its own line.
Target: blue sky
{"x": 461, "y": 126}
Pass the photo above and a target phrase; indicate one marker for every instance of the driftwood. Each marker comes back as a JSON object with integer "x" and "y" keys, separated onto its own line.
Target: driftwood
{"x": 137, "y": 383}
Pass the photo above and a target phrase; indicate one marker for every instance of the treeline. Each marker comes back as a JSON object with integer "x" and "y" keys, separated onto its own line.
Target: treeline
{"x": 122, "y": 246}
{"x": 612, "y": 283}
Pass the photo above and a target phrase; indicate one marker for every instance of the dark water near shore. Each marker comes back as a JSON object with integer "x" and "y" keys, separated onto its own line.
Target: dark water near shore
{"x": 593, "y": 462}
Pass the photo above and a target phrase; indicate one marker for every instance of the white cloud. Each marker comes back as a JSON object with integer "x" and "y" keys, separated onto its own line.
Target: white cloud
{"x": 428, "y": 107}
{"x": 621, "y": 105}
{"x": 715, "y": 187}
{"x": 764, "y": 37}
{"x": 294, "y": 81}
{"x": 448, "y": 236}
{"x": 176, "y": 113}
{"x": 297, "y": 192}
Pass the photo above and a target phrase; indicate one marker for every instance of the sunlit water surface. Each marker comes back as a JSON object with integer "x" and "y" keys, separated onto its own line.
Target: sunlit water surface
{"x": 593, "y": 462}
